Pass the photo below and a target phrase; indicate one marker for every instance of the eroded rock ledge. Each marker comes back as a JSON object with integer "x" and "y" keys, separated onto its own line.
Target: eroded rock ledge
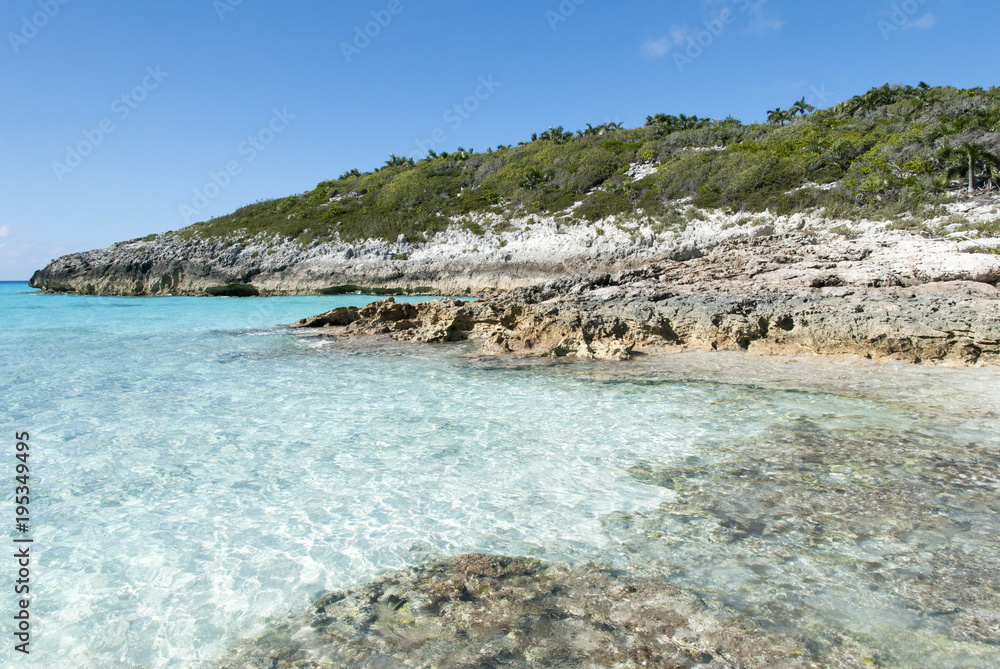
{"x": 780, "y": 294}
{"x": 529, "y": 250}
{"x": 494, "y": 611}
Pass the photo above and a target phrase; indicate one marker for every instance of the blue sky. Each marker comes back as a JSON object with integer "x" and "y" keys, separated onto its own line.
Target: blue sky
{"x": 114, "y": 113}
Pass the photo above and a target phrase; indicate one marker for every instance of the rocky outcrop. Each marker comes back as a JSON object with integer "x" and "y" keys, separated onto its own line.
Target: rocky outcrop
{"x": 777, "y": 294}
{"x": 495, "y": 611}
{"x": 612, "y": 289}
{"x": 455, "y": 262}
{"x": 521, "y": 252}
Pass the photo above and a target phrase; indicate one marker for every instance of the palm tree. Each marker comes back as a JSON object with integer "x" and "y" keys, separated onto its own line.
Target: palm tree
{"x": 802, "y": 107}
{"x": 986, "y": 119}
{"x": 397, "y": 161}
{"x": 878, "y": 97}
{"x": 953, "y": 125}
{"x": 927, "y": 94}
{"x": 777, "y": 116}
{"x": 971, "y": 157}
{"x": 886, "y": 95}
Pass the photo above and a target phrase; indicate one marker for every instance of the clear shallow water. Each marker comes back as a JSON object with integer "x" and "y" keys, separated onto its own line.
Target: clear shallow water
{"x": 198, "y": 469}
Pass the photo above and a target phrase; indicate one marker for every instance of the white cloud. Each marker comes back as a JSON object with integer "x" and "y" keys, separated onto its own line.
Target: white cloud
{"x": 925, "y": 22}
{"x": 19, "y": 260}
{"x": 657, "y": 48}
{"x": 660, "y": 47}
{"x": 751, "y": 13}
{"x": 762, "y": 25}
{"x": 760, "y": 21}
{"x": 4, "y": 230}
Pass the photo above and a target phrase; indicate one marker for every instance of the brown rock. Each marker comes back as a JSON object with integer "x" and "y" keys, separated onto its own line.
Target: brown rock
{"x": 335, "y": 317}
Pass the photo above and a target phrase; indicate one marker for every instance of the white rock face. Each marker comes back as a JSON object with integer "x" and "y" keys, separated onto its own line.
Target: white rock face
{"x": 532, "y": 249}
{"x": 637, "y": 171}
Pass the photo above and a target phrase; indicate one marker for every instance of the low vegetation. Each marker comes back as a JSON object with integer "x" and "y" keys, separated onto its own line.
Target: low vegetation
{"x": 895, "y": 152}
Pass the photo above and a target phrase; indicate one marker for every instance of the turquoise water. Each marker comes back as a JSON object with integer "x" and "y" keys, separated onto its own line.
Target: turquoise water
{"x": 197, "y": 468}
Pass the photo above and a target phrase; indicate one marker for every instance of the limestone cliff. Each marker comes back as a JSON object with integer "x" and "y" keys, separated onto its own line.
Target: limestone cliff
{"x": 530, "y": 250}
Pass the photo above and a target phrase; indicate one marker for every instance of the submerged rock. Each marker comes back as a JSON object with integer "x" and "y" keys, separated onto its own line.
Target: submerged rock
{"x": 875, "y": 535}
{"x": 493, "y": 611}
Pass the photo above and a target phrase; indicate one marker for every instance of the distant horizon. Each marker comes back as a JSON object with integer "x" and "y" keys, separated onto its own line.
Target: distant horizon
{"x": 135, "y": 109}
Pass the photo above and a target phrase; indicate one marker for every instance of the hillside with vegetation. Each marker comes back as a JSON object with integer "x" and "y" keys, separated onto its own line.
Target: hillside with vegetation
{"x": 894, "y": 153}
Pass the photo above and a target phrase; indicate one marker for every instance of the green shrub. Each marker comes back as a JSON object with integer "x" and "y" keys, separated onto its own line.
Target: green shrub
{"x": 882, "y": 146}
{"x": 603, "y": 204}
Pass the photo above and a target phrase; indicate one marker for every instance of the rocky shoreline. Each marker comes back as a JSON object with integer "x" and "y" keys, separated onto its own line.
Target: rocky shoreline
{"x": 780, "y": 285}
{"x": 496, "y": 611}
{"x": 612, "y": 289}
{"x": 522, "y": 251}
{"x": 456, "y": 262}
{"x": 830, "y": 298}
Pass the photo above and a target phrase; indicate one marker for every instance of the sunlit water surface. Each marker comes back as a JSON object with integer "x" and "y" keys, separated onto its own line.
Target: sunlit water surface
{"x": 197, "y": 468}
